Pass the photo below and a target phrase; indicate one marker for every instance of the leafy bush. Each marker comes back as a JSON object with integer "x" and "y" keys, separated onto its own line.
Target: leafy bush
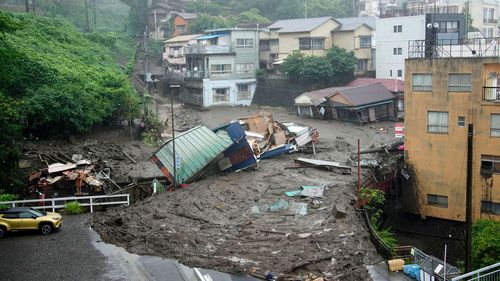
{"x": 374, "y": 199}
{"x": 388, "y": 238}
{"x": 73, "y": 208}
{"x": 485, "y": 243}
{"x": 6, "y": 197}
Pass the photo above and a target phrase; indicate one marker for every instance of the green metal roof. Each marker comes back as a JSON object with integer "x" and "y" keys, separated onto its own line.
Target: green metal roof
{"x": 196, "y": 148}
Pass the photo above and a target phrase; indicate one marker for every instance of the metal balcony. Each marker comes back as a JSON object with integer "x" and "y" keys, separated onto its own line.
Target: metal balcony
{"x": 454, "y": 48}
{"x": 491, "y": 94}
{"x": 197, "y": 49}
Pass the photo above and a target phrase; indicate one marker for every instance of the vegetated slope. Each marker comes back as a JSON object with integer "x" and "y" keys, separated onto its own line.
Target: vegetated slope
{"x": 55, "y": 80}
{"x": 67, "y": 81}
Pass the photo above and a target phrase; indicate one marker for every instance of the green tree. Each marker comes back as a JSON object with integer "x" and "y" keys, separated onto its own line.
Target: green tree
{"x": 205, "y": 21}
{"x": 251, "y": 16}
{"x": 337, "y": 66}
{"x": 485, "y": 243}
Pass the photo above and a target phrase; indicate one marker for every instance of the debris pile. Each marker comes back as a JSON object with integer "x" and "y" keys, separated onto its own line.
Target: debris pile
{"x": 231, "y": 147}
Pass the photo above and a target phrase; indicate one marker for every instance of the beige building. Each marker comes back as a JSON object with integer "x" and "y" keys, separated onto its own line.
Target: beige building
{"x": 357, "y": 35}
{"x": 310, "y": 36}
{"x": 443, "y": 96}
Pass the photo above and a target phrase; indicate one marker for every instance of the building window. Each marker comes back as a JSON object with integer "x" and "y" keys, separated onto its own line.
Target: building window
{"x": 397, "y": 51}
{"x": 490, "y": 164}
{"x": 459, "y": 82}
{"x": 495, "y": 125}
{"x": 461, "y": 121}
{"x": 488, "y": 15}
{"x": 437, "y": 200}
{"x": 437, "y": 122}
{"x": 244, "y": 68}
{"x": 365, "y": 41}
{"x": 274, "y": 42}
{"x": 244, "y": 43}
{"x": 221, "y": 95}
{"x": 490, "y": 207}
{"x": 311, "y": 43}
{"x": 390, "y": 72}
{"x": 243, "y": 92}
{"x": 398, "y": 28}
{"x": 181, "y": 28}
{"x": 362, "y": 65}
{"x": 218, "y": 69}
{"x": 422, "y": 82}
{"x": 264, "y": 45}
{"x": 400, "y": 73}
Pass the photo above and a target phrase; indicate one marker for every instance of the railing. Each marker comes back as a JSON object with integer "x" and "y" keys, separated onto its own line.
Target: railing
{"x": 89, "y": 201}
{"x": 489, "y": 273}
{"x": 454, "y": 48}
{"x": 491, "y": 94}
{"x": 490, "y": 21}
{"x": 416, "y": 11}
{"x": 207, "y": 49}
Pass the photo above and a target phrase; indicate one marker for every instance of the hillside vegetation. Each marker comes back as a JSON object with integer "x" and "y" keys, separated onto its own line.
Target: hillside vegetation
{"x": 55, "y": 80}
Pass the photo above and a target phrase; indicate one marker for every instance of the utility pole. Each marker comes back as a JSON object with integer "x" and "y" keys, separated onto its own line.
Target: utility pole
{"x": 27, "y": 2}
{"x": 468, "y": 208}
{"x": 87, "y": 24}
{"x": 95, "y": 17}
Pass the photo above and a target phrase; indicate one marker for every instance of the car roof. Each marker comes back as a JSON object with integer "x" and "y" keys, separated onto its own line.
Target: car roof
{"x": 17, "y": 209}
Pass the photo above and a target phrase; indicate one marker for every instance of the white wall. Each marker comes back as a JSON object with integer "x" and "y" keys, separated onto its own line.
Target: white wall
{"x": 387, "y": 40}
{"x": 209, "y": 85}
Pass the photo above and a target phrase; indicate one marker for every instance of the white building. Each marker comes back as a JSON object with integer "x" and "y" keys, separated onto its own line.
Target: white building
{"x": 393, "y": 35}
{"x": 221, "y": 68}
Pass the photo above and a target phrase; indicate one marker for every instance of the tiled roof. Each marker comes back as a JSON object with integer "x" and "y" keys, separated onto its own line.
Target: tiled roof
{"x": 393, "y": 85}
{"x": 298, "y": 25}
{"x": 354, "y": 23}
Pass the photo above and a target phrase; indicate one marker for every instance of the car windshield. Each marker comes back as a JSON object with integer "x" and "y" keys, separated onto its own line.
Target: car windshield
{"x": 37, "y": 213}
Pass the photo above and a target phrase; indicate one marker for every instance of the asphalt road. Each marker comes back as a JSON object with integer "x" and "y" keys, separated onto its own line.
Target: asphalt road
{"x": 75, "y": 253}
{"x": 64, "y": 255}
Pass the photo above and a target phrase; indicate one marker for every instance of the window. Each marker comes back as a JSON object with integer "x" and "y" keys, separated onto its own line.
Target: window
{"x": 362, "y": 65}
{"x": 181, "y": 28}
{"x": 437, "y": 200}
{"x": 10, "y": 216}
{"x": 437, "y": 122}
{"x": 461, "y": 121}
{"x": 318, "y": 43}
{"x": 490, "y": 207}
{"x": 495, "y": 125}
{"x": 243, "y": 92}
{"x": 398, "y": 28}
{"x": 488, "y": 15}
{"x": 274, "y": 42}
{"x": 221, "y": 95}
{"x": 400, "y": 73}
{"x": 304, "y": 43}
{"x": 26, "y": 215}
{"x": 490, "y": 164}
{"x": 244, "y": 68}
{"x": 217, "y": 69}
{"x": 397, "y": 51}
{"x": 422, "y": 82}
{"x": 244, "y": 43}
{"x": 390, "y": 72}
{"x": 311, "y": 43}
{"x": 459, "y": 82}
{"x": 264, "y": 45}
{"x": 365, "y": 41}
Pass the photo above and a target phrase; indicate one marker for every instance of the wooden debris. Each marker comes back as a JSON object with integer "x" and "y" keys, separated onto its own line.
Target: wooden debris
{"x": 130, "y": 158}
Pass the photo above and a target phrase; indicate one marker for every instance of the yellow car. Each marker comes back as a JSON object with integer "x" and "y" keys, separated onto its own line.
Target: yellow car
{"x": 16, "y": 219}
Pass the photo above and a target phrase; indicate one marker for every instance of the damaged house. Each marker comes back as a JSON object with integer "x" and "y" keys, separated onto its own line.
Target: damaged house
{"x": 363, "y": 104}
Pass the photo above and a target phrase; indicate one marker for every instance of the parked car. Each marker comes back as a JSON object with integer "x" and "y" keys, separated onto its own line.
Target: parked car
{"x": 18, "y": 219}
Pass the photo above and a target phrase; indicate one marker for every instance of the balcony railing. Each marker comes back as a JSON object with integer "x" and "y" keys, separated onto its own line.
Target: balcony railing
{"x": 490, "y": 21}
{"x": 197, "y": 49}
{"x": 454, "y": 48}
{"x": 418, "y": 10}
{"x": 491, "y": 94}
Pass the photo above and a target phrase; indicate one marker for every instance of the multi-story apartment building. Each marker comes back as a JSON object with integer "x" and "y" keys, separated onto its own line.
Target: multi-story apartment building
{"x": 310, "y": 36}
{"x": 220, "y": 68}
{"x": 173, "y": 52}
{"x": 444, "y": 92}
{"x": 395, "y": 33}
{"x": 357, "y": 35}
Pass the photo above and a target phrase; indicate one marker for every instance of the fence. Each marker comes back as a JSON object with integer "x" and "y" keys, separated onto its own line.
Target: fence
{"x": 489, "y": 273}
{"x": 84, "y": 201}
{"x": 454, "y": 48}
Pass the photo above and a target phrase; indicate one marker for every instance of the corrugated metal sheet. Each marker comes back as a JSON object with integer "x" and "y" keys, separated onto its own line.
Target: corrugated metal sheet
{"x": 195, "y": 149}
{"x": 239, "y": 155}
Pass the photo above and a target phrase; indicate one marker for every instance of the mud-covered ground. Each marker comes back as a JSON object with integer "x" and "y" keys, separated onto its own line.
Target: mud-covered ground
{"x": 214, "y": 223}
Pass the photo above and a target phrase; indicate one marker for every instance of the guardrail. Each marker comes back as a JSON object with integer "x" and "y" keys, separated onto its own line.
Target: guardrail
{"x": 489, "y": 273}
{"x": 89, "y": 201}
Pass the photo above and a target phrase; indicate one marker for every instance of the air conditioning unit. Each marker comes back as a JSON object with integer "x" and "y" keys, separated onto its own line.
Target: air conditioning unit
{"x": 176, "y": 54}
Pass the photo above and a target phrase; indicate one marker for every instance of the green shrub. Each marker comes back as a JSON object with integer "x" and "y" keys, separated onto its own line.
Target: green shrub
{"x": 73, "y": 208}
{"x": 6, "y": 197}
{"x": 388, "y": 238}
{"x": 485, "y": 243}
